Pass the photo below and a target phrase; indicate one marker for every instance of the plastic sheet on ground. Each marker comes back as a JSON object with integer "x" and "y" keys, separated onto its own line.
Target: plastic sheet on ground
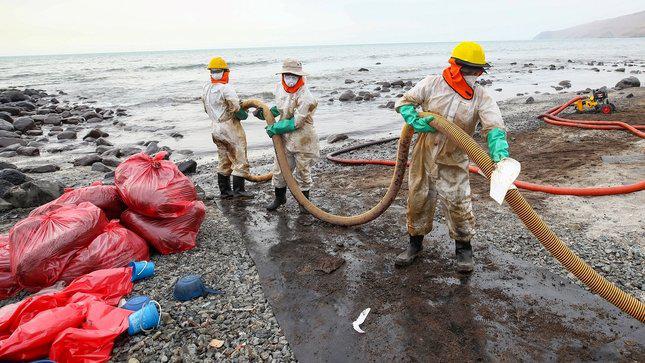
{"x": 105, "y": 197}
{"x": 170, "y": 235}
{"x": 154, "y": 187}
{"x": 52, "y": 321}
{"x": 115, "y": 247}
{"x": 42, "y": 245}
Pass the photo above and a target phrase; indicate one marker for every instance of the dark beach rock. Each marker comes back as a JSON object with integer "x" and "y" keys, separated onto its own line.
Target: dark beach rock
{"x": 16, "y": 96}
{"x": 25, "y": 105}
{"x": 13, "y": 111}
{"x": 28, "y": 151}
{"x": 100, "y": 167}
{"x": 111, "y": 161}
{"x": 7, "y": 154}
{"x": 349, "y": 81}
{"x": 13, "y": 176}
{"x": 347, "y": 96}
{"x": 6, "y": 126}
{"x": 47, "y": 168}
{"x": 390, "y": 105}
{"x": 187, "y": 166}
{"x": 74, "y": 120}
{"x": 35, "y": 132}
{"x": 87, "y": 160}
{"x": 530, "y": 100}
{"x": 185, "y": 152}
{"x": 398, "y": 83}
{"x": 91, "y": 114}
{"x": 34, "y": 193}
{"x": 363, "y": 70}
{"x": 628, "y": 83}
{"x": 6, "y": 141}
{"x": 336, "y": 137}
{"x": 66, "y": 135}
{"x": 619, "y": 70}
{"x": 39, "y": 118}
{"x": 53, "y": 119}
{"x": 116, "y": 152}
{"x": 385, "y": 89}
{"x": 629, "y": 95}
{"x": 6, "y": 116}
{"x": 89, "y": 139}
{"x": 152, "y": 148}
{"x": 4, "y": 186}
{"x": 129, "y": 150}
{"x": 176, "y": 135}
{"x": 24, "y": 123}
{"x": 8, "y": 134}
{"x": 6, "y": 165}
{"x": 384, "y": 84}
{"x": 94, "y": 120}
{"x": 558, "y": 88}
{"x": 565, "y": 84}
{"x": 103, "y": 141}
{"x": 103, "y": 148}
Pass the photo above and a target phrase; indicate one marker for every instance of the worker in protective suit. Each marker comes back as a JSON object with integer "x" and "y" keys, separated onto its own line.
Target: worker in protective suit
{"x": 223, "y": 107}
{"x": 438, "y": 168}
{"x": 294, "y": 109}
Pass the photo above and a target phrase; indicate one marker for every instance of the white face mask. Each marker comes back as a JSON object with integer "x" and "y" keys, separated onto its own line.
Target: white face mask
{"x": 291, "y": 79}
{"x": 471, "y": 80}
{"x": 217, "y": 75}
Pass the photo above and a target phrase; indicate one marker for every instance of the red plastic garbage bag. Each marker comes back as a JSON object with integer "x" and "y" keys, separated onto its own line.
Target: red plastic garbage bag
{"x": 42, "y": 245}
{"x": 33, "y": 339}
{"x": 153, "y": 187}
{"x": 28, "y": 330}
{"x": 93, "y": 342}
{"x": 169, "y": 235}
{"x": 8, "y": 284}
{"x": 115, "y": 247}
{"x": 105, "y": 197}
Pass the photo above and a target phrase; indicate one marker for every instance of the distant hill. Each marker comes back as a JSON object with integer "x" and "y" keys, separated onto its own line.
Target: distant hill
{"x": 626, "y": 26}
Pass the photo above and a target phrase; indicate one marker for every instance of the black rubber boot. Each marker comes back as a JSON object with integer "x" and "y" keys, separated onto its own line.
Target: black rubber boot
{"x": 408, "y": 256}
{"x": 464, "y": 253}
{"x": 280, "y": 199}
{"x": 238, "y": 188}
{"x": 224, "y": 184}
{"x": 302, "y": 209}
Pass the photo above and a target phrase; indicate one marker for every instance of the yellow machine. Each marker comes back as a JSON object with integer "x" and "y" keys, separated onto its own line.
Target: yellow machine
{"x": 597, "y": 102}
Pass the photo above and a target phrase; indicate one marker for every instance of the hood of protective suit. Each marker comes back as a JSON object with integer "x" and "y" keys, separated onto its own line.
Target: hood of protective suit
{"x": 294, "y": 87}
{"x": 452, "y": 75}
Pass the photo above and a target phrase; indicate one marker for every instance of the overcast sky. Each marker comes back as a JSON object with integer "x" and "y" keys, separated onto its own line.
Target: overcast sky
{"x": 79, "y": 26}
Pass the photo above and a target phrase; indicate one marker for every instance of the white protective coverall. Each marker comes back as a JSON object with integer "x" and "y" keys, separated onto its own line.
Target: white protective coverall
{"x": 302, "y": 144}
{"x": 221, "y": 103}
{"x": 438, "y": 167}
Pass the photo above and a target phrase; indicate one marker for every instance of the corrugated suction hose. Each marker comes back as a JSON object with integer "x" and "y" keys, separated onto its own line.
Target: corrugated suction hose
{"x": 536, "y": 225}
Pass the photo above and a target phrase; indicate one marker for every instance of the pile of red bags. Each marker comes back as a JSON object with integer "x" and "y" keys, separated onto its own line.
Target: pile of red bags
{"x": 76, "y": 324}
{"x": 162, "y": 205}
{"x": 8, "y": 284}
{"x": 105, "y": 197}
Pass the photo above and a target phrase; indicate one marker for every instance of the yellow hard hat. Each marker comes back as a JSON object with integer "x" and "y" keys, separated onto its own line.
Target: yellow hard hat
{"x": 217, "y": 63}
{"x": 470, "y": 54}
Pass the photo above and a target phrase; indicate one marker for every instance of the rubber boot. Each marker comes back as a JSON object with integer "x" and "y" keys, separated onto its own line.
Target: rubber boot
{"x": 280, "y": 199}
{"x": 303, "y": 210}
{"x": 238, "y": 188}
{"x": 408, "y": 256}
{"x": 464, "y": 253}
{"x": 224, "y": 184}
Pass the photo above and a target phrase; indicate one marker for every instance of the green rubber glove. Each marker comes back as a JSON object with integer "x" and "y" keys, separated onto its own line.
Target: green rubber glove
{"x": 259, "y": 113}
{"x": 411, "y": 117}
{"x": 241, "y": 114}
{"x": 281, "y": 127}
{"x": 497, "y": 145}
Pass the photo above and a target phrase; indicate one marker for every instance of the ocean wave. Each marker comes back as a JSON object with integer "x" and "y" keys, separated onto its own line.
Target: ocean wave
{"x": 21, "y": 75}
{"x": 260, "y": 95}
{"x": 167, "y": 101}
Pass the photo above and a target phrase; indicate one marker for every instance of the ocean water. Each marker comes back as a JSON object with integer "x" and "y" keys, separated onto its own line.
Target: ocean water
{"x": 162, "y": 90}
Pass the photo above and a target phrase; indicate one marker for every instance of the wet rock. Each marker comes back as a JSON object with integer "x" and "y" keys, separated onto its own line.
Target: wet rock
{"x": 498, "y": 89}
{"x": 87, "y": 160}
{"x": 384, "y": 89}
{"x": 565, "y": 84}
{"x": 24, "y": 123}
{"x": 6, "y": 117}
{"x": 100, "y": 167}
{"x": 363, "y": 70}
{"x": 6, "y": 165}
{"x": 187, "y": 166}
{"x": 398, "y": 83}
{"x": 89, "y": 139}
{"x": 116, "y": 152}
{"x": 16, "y": 96}
{"x": 34, "y": 193}
{"x": 13, "y": 176}
{"x": 185, "y": 152}
{"x": 629, "y": 95}
{"x": 347, "y": 96}
{"x": 28, "y": 151}
{"x": 9, "y": 134}
{"x": 66, "y": 135}
{"x": 349, "y": 81}
{"x": 47, "y": 168}
{"x": 36, "y": 132}
{"x": 558, "y": 88}
{"x": 619, "y": 70}
{"x": 4, "y": 205}
{"x": 384, "y": 84}
{"x": 336, "y": 137}
{"x": 103, "y": 141}
{"x": 95, "y": 134}
{"x": 152, "y": 148}
{"x": 4, "y": 186}
{"x": 94, "y": 120}
{"x": 25, "y": 105}
{"x": 390, "y": 105}
{"x": 111, "y": 161}
{"x": 91, "y": 114}
{"x": 6, "y": 141}
{"x": 628, "y": 83}
{"x": 13, "y": 111}
{"x": 74, "y": 120}
{"x": 530, "y": 100}
{"x": 176, "y": 135}
{"x": 53, "y": 119}
{"x": 129, "y": 150}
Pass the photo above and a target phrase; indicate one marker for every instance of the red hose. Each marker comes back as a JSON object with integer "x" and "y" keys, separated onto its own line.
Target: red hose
{"x": 552, "y": 118}
{"x": 549, "y": 117}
